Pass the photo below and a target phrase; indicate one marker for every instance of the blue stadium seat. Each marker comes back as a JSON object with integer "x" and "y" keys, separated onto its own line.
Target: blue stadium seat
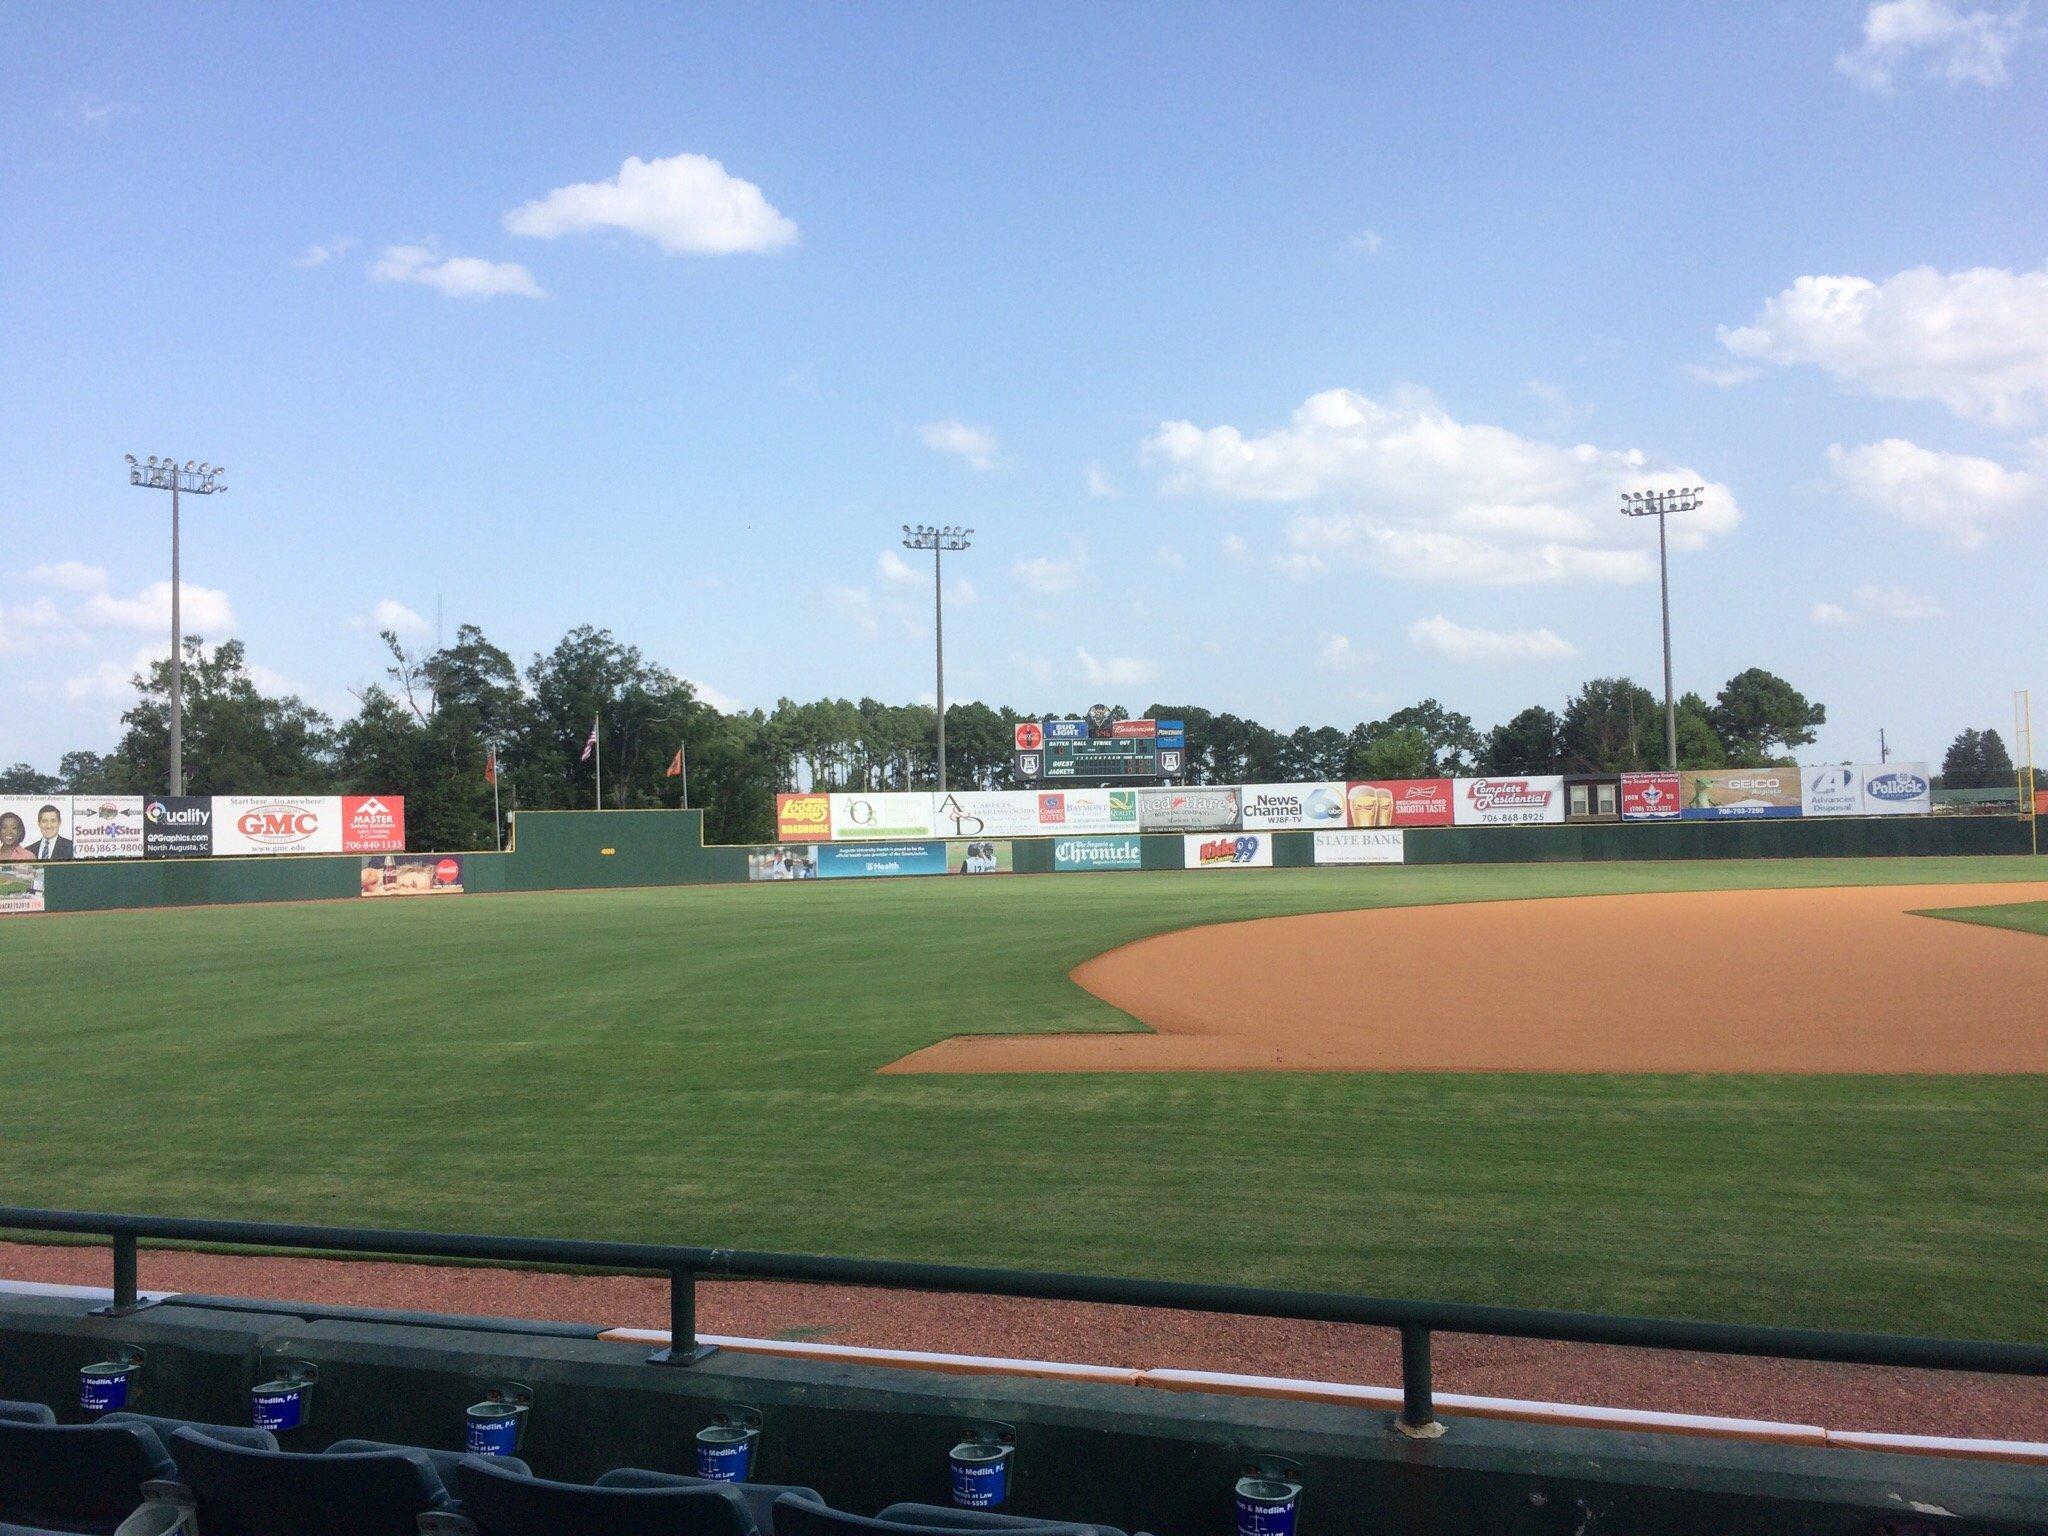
{"x": 760, "y": 1497}
{"x": 84, "y": 1477}
{"x": 794, "y": 1517}
{"x": 503, "y": 1502}
{"x": 241, "y": 1491}
{"x": 25, "y": 1413}
{"x": 447, "y": 1465}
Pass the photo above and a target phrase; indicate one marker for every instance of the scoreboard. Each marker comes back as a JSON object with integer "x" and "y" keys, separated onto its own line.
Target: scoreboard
{"x": 1056, "y": 750}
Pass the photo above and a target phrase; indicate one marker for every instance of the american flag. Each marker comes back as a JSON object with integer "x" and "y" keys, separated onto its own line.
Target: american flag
{"x": 590, "y": 746}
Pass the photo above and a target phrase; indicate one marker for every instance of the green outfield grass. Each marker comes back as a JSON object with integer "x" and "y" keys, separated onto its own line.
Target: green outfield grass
{"x": 2021, "y": 917}
{"x": 697, "y": 1065}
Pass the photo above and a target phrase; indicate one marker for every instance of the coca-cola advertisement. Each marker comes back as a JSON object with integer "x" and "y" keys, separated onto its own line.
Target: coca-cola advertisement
{"x": 1508, "y": 802}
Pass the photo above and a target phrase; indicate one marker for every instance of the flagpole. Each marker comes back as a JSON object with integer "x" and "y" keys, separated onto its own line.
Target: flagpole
{"x": 681, "y": 748}
{"x": 497, "y": 816}
{"x": 597, "y": 748}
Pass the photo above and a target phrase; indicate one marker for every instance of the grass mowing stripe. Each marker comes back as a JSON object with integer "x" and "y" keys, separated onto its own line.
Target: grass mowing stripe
{"x": 696, "y": 1064}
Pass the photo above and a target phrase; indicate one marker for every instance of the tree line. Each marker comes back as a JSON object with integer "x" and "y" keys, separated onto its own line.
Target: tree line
{"x": 426, "y": 728}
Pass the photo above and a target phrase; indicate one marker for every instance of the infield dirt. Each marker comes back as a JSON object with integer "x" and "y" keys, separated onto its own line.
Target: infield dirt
{"x": 1837, "y": 980}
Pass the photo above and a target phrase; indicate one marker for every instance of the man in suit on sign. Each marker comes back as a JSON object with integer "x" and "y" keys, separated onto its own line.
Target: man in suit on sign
{"x": 48, "y": 845}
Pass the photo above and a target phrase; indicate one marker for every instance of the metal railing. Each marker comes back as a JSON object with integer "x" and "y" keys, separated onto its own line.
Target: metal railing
{"x": 1416, "y": 1321}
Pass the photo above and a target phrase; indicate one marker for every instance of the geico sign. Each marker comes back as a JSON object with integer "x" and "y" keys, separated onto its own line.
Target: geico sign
{"x": 1769, "y": 782}
{"x": 278, "y": 824}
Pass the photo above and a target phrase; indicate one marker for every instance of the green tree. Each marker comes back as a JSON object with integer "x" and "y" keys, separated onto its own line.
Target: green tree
{"x": 27, "y": 779}
{"x": 1524, "y": 745}
{"x": 1759, "y": 712}
{"x": 1397, "y": 754}
{"x": 237, "y": 739}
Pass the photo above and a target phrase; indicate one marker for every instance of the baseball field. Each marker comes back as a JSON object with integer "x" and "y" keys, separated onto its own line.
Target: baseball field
{"x": 1709, "y": 1101}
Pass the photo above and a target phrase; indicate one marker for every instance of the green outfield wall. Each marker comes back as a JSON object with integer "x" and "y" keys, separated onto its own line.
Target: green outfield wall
{"x": 593, "y": 850}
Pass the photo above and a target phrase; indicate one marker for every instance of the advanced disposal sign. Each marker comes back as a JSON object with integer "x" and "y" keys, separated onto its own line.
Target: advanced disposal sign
{"x": 1897, "y": 789}
{"x": 1835, "y": 789}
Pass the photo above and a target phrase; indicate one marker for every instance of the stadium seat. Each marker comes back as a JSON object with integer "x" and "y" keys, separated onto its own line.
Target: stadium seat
{"x": 75, "y": 1477}
{"x": 85, "y": 1477}
{"x": 503, "y": 1502}
{"x": 240, "y": 1491}
{"x": 446, "y": 1465}
{"x": 760, "y": 1497}
{"x": 795, "y": 1517}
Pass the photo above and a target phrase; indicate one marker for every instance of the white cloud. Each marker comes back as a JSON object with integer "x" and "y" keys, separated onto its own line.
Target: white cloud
{"x": 1114, "y": 671}
{"x": 856, "y": 605}
{"x": 70, "y": 576}
{"x": 1957, "y": 495}
{"x": 1048, "y": 575}
{"x": 892, "y": 567}
{"x": 976, "y": 445}
{"x": 1100, "y": 484}
{"x": 1337, "y": 653}
{"x": 1367, "y": 242}
{"x": 459, "y": 277}
{"x": 961, "y": 591}
{"x": 1963, "y": 47}
{"x": 1724, "y": 375}
{"x": 719, "y": 700}
{"x": 1036, "y": 668}
{"x": 1900, "y": 604}
{"x": 1169, "y": 557}
{"x": 1425, "y": 496}
{"x": 1235, "y": 547}
{"x": 685, "y": 204}
{"x": 1457, "y": 643}
{"x": 321, "y": 255}
{"x": 202, "y": 610}
{"x": 389, "y": 613}
{"x": 1977, "y": 341}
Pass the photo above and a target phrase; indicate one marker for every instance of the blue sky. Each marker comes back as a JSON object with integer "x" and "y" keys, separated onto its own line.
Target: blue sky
{"x": 1290, "y": 359}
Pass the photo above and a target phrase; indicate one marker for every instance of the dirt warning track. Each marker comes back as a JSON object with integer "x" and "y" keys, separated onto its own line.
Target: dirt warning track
{"x": 1823, "y": 980}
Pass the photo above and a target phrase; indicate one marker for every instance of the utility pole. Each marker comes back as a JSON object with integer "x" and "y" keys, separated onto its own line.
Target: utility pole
{"x": 1660, "y": 504}
{"x": 938, "y": 541}
{"x": 194, "y": 480}
{"x": 1884, "y": 751}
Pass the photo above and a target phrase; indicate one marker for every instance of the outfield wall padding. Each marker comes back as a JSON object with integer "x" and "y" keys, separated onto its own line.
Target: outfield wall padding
{"x": 596, "y": 850}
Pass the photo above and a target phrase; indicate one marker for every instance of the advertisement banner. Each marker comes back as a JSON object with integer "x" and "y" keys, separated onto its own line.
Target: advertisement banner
{"x": 1087, "y": 810}
{"x": 107, "y": 826}
{"x": 177, "y": 827}
{"x": 276, "y": 824}
{"x": 885, "y": 817}
{"x": 1242, "y": 850}
{"x": 1723, "y": 794}
{"x": 21, "y": 888}
{"x": 986, "y": 813}
{"x": 1900, "y": 789}
{"x": 36, "y": 827}
{"x": 1188, "y": 810}
{"x": 373, "y": 824}
{"x": 413, "y": 874}
{"x": 1835, "y": 789}
{"x": 1364, "y": 847}
{"x": 1277, "y": 806}
{"x": 1649, "y": 796}
{"x": 1507, "y": 802}
{"x": 1398, "y": 803}
{"x": 803, "y": 818}
{"x": 838, "y": 862}
{"x": 1081, "y": 853}
{"x": 799, "y": 862}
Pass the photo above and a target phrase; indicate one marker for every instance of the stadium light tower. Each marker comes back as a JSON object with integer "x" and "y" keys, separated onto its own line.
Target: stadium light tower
{"x": 938, "y": 541}
{"x": 166, "y": 474}
{"x": 1660, "y": 505}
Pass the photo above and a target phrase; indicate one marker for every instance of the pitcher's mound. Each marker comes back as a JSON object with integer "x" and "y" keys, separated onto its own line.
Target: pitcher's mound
{"x": 1828, "y": 980}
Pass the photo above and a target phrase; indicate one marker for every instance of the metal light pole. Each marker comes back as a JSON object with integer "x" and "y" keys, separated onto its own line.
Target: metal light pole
{"x": 938, "y": 541}
{"x": 1661, "y": 504}
{"x": 166, "y": 474}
